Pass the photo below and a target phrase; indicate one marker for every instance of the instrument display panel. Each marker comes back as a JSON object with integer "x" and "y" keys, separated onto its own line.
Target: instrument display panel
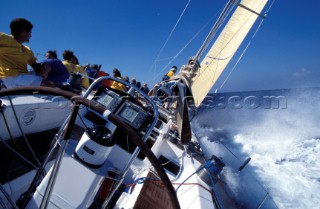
{"x": 121, "y": 105}
{"x": 132, "y": 114}
{"x": 109, "y": 99}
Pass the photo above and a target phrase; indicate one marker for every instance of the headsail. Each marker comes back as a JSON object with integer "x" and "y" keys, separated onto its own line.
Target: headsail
{"x": 224, "y": 48}
{"x": 199, "y": 78}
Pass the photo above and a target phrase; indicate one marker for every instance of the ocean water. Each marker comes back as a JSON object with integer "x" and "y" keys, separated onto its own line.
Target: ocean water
{"x": 279, "y": 131}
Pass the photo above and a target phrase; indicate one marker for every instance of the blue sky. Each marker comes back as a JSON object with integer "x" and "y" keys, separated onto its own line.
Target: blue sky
{"x": 129, "y": 34}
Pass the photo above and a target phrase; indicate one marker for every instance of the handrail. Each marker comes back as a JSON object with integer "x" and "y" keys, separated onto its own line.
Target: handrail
{"x": 113, "y": 118}
{"x": 134, "y": 154}
{"x": 145, "y": 137}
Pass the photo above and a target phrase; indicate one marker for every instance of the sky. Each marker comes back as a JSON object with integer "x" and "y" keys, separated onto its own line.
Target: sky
{"x": 143, "y": 38}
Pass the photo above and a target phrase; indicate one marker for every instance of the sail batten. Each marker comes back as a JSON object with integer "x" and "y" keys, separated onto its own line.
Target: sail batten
{"x": 225, "y": 47}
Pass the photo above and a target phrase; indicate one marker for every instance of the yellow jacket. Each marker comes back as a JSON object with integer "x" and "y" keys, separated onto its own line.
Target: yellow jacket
{"x": 72, "y": 68}
{"x": 170, "y": 73}
{"x": 118, "y": 86}
{"x": 14, "y": 57}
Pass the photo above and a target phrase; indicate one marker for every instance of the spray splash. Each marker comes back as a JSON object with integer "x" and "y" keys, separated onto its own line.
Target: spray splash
{"x": 283, "y": 143}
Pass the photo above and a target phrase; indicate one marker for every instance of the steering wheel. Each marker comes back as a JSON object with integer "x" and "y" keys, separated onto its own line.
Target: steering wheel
{"x": 77, "y": 100}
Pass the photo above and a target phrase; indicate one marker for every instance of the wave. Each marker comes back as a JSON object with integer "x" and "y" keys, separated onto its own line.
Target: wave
{"x": 279, "y": 130}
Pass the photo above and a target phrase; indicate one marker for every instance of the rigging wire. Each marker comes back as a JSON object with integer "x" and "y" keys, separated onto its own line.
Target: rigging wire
{"x": 270, "y": 4}
{"x": 216, "y": 26}
{"x": 8, "y": 198}
{"x": 181, "y": 50}
{"x": 17, "y": 153}
{"x": 240, "y": 57}
{"x": 173, "y": 29}
{"x": 247, "y": 46}
{"x": 168, "y": 38}
{"x": 8, "y": 128}
{"x": 185, "y": 46}
{"x": 24, "y": 136}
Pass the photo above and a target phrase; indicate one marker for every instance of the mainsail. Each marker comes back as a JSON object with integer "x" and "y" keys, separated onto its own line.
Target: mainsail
{"x": 225, "y": 47}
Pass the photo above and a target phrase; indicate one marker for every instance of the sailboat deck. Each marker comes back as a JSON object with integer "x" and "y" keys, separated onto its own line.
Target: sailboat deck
{"x": 13, "y": 166}
{"x": 153, "y": 195}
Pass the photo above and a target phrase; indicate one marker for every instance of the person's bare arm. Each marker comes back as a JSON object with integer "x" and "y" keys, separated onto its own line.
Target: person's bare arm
{"x": 41, "y": 69}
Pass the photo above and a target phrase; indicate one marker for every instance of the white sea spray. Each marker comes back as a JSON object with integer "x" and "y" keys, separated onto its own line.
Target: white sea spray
{"x": 283, "y": 144}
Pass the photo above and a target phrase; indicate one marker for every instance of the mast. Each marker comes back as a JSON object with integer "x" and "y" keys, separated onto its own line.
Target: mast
{"x": 202, "y": 76}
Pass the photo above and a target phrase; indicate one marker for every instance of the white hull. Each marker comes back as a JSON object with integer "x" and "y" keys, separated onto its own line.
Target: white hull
{"x": 119, "y": 149}
{"x": 77, "y": 184}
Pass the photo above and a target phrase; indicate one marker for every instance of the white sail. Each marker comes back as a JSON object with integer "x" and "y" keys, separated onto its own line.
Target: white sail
{"x": 225, "y": 47}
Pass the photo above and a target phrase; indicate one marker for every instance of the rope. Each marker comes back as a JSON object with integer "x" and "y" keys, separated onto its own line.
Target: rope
{"x": 207, "y": 164}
